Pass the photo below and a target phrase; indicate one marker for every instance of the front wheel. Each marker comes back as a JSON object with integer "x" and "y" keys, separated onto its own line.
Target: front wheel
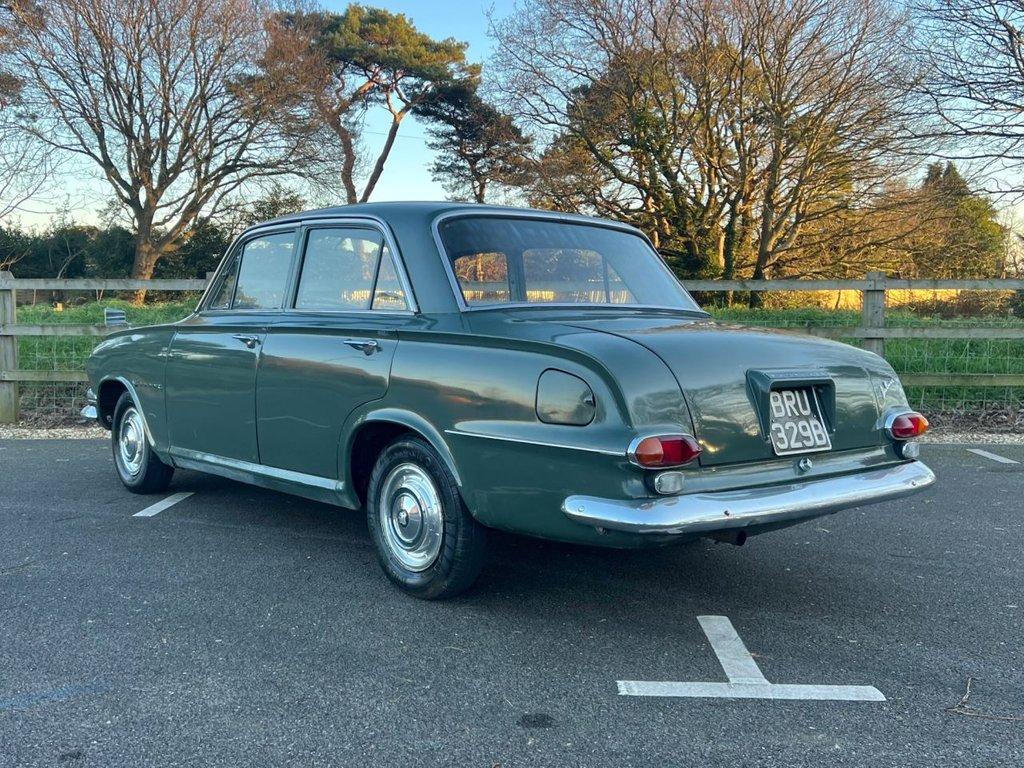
{"x": 427, "y": 542}
{"x": 139, "y": 468}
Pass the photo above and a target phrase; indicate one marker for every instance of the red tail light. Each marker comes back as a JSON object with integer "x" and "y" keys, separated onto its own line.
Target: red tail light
{"x": 663, "y": 451}
{"x": 906, "y": 426}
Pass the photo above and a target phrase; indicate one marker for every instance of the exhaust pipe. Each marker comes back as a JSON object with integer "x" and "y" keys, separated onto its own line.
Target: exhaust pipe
{"x": 736, "y": 536}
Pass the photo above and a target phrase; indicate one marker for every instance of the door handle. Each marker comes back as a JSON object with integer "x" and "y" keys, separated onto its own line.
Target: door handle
{"x": 249, "y": 341}
{"x": 366, "y": 346}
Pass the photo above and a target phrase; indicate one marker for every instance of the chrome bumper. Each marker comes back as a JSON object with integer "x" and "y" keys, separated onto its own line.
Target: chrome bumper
{"x": 700, "y": 513}
{"x": 89, "y": 412}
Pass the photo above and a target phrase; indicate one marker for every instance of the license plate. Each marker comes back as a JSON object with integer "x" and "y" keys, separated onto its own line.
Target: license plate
{"x": 796, "y": 425}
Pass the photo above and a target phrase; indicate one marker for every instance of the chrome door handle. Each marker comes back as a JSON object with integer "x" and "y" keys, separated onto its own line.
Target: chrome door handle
{"x": 366, "y": 346}
{"x": 249, "y": 341}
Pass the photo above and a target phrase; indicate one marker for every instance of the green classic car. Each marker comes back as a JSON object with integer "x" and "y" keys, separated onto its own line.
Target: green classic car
{"x": 452, "y": 368}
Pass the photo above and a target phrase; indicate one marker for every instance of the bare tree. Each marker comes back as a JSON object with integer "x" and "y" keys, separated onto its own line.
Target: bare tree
{"x": 161, "y": 96}
{"x": 973, "y": 59}
{"x": 730, "y": 130}
{"x": 25, "y": 163}
{"x": 836, "y": 113}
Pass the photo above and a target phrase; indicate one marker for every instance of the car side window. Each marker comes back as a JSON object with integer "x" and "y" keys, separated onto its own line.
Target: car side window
{"x": 226, "y": 289}
{"x": 388, "y": 293}
{"x": 263, "y": 275}
{"x": 348, "y": 269}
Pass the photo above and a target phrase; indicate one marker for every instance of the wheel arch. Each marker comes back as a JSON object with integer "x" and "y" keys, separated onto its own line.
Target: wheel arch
{"x": 109, "y": 392}
{"x": 372, "y": 431}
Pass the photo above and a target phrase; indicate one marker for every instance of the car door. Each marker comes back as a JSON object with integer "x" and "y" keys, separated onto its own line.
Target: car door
{"x": 211, "y": 367}
{"x": 331, "y": 351}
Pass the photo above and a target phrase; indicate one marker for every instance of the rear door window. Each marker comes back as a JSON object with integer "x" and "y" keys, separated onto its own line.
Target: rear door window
{"x": 348, "y": 268}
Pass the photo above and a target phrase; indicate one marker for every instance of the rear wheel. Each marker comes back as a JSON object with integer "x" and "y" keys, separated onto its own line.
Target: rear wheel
{"x": 427, "y": 542}
{"x": 139, "y": 468}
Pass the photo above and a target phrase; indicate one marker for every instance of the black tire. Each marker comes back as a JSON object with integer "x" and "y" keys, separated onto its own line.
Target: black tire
{"x": 143, "y": 472}
{"x": 461, "y": 553}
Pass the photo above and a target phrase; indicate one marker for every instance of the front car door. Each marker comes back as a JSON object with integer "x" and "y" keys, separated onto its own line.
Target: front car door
{"x": 331, "y": 351}
{"x": 211, "y": 369}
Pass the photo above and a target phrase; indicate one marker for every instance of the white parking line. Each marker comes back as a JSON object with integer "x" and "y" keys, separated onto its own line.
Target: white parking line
{"x": 746, "y": 680}
{"x": 993, "y": 456}
{"x": 732, "y": 654}
{"x": 160, "y": 506}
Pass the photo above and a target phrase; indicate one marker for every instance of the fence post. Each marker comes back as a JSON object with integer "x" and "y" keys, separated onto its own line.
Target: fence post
{"x": 8, "y": 355}
{"x": 873, "y": 312}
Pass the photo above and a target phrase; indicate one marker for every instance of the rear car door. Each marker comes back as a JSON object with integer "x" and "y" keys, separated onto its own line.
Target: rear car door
{"x": 211, "y": 369}
{"x": 331, "y": 351}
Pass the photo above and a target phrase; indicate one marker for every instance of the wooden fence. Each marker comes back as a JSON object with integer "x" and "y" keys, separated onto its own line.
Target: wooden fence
{"x": 872, "y": 333}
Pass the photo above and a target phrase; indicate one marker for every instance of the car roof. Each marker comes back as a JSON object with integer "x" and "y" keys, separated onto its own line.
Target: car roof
{"x": 427, "y": 209}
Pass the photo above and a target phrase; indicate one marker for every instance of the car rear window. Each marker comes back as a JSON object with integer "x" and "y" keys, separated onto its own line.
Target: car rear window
{"x": 511, "y": 260}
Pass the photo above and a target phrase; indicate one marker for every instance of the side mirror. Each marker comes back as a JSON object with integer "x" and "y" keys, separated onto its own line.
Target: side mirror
{"x": 115, "y": 318}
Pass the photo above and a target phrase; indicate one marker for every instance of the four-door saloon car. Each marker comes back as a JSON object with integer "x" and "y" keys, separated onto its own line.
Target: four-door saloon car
{"x": 454, "y": 368}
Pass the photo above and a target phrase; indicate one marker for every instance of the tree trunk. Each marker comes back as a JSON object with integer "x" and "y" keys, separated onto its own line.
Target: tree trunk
{"x": 757, "y": 297}
{"x": 348, "y": 163}
{"x": 146, "y": 257}
{"x": 378, "y": 167}
{"x": 735, "y": 233}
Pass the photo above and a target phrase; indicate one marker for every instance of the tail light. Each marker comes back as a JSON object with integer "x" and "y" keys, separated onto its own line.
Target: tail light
{"x": 906, "y": 426}
{"x": 660, "y": 451}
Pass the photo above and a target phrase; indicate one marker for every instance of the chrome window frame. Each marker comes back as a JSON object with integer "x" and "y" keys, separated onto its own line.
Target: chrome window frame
{"x": 354, "y": 222}
{"x": 299, "y": 224}
{"x": 564, "y": 218}
{"x": 236, "y": 248}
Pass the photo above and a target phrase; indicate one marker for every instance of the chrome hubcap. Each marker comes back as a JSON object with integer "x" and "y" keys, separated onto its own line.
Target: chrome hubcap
{"x": 130, "y": 442}
{"x": 410, "y": 517}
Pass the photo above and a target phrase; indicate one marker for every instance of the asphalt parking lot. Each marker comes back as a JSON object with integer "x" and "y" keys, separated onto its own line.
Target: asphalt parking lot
{"x": 241, "y": 627}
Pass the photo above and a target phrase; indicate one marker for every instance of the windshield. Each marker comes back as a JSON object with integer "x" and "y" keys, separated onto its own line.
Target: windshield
{"x": 505, "y": 260}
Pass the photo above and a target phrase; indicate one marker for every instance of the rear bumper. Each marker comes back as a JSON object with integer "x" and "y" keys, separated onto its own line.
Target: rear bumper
{"x": 774, "y": 505}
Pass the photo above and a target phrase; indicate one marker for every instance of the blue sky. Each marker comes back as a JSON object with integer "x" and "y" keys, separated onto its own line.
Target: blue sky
{"x": 406, "y": 176}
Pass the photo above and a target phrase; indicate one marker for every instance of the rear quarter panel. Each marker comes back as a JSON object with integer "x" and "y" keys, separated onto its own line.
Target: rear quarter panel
{"x": 476, "y": 395}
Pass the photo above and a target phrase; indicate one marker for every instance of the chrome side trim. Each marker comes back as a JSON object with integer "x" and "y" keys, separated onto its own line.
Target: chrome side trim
{"x": 244, "y": 470}
{"x": 702, "y": 513}
{"x": 565, "y": 218}
{"x": 523, "y": 441}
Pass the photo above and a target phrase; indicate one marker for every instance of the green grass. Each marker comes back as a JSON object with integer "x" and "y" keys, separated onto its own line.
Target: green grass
{"x": 908, "y": 355}
{"x": 954, "y": 356}
{"x": 70, "y": 352}
{"x": 92, "y": 313}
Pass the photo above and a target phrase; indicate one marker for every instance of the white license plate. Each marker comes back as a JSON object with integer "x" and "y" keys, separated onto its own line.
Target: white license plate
{"x": 796, "y": 425}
